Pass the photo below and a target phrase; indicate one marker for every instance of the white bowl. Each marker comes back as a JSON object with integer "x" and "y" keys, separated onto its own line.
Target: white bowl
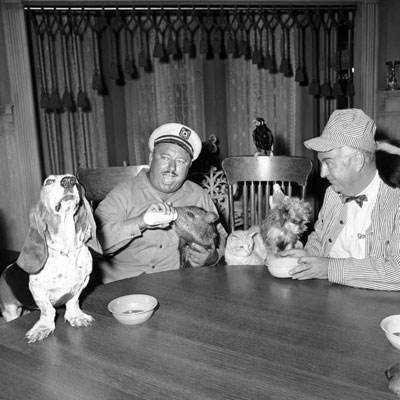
{"x": 391, "y": 326}
{"x": 132, "y": 309}
{"x": 280, "y": 267}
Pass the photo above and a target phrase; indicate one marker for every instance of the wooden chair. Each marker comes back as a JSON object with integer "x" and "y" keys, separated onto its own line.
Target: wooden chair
{"x": 214, "y": 183}
{"x": 255, "y": 176}
{"x": 99, "y": 181}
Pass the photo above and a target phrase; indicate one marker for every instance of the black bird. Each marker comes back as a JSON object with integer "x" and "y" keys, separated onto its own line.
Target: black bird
{"x": 262, "y": 137}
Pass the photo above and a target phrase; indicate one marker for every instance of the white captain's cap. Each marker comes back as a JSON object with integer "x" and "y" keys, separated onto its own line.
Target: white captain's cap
{"x": 177, "y": 134}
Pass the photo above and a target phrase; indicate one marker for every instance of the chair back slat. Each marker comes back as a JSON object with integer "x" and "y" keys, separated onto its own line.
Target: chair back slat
{"x": 246, "y": 204}
{"x": 290, "y": 188}
{"x": 267, "y": 194}
{"x": 261, "y": 202}
{"x": 255, "y": 176}
{"x": 253, "y": 202}
{"x": 231, "y": 212}
{"x": 98, "y": 182}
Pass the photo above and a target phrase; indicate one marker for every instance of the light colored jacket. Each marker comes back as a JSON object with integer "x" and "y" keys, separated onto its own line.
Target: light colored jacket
{"x": 380, "y": 269}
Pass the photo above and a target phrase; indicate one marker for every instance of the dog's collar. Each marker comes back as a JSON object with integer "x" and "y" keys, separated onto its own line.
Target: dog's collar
{"x": 65, "y": 253}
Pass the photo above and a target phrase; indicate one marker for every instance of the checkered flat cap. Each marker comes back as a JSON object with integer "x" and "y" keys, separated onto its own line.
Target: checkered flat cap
{"x": 347, "y": 127}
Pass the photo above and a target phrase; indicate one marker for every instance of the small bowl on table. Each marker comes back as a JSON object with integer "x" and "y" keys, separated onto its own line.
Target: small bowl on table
{"x": 132, "y": 309}
{"x": 391, "y": 326}
{"x": 280, "y": 267}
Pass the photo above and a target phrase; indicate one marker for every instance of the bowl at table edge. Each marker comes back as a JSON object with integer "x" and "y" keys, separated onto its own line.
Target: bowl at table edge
{"x": 280, "y": 267}
{"x": 391, "y": 325}
{"x": 132, "y": 309}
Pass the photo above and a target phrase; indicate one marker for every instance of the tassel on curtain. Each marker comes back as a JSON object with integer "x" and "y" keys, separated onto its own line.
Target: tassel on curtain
{"x": 72, "y": 129}
{"x": 234, "y": 31}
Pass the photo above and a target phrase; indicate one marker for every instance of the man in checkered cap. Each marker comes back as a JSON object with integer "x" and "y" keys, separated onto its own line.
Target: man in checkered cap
{"x": 356, "y": 239}
{"x": 134, "y": 219}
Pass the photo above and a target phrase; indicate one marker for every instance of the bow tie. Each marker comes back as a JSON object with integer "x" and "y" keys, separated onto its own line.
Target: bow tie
{"x": 358, "y": 199}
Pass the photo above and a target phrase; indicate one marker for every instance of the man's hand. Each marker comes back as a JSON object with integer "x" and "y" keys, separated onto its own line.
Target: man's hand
{"x": 200, "y": 256}
{"x": 310, "y": 268}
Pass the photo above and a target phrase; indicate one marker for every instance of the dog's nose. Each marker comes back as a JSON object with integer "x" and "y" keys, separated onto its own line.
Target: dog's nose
{"x": 68, "y": 182}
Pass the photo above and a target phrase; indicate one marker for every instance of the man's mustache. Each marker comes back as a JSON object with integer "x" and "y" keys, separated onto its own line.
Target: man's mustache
{"x": 169, "y": 172}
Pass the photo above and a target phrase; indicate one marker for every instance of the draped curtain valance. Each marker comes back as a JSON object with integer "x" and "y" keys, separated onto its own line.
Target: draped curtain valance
{"x": 105, "y": 76}
{"x": 169, "y": 33}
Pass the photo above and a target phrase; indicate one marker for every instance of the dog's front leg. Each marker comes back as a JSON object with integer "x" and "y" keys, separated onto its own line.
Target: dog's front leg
{"x": 73, "y": 313}
{"x": 75, "y": 316}
{"x": 46, "y": 325}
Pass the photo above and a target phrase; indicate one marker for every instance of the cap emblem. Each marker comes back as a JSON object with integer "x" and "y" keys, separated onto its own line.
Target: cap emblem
{"x": 185, "y": 133}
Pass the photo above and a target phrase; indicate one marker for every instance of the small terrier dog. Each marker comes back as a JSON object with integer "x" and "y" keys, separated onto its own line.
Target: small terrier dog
{"x": 285, "y": 223}
{"x": 55, "y": 262}
{"x": 281, "y": 230}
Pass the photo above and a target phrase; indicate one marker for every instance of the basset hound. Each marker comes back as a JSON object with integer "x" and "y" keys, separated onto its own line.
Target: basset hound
{"x": 55, "y": 263}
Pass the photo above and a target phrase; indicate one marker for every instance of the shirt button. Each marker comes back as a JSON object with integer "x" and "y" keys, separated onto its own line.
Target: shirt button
{"x": 341, "y": 222}
{"x": 160, "y": 246}
{"x": 330, "y": 240}
{"x": 153, "y": 266}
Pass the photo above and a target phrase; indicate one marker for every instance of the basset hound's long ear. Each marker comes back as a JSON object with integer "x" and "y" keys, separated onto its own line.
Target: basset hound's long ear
{"x": 34, "y": 252}
{"x": 85, "y": 222}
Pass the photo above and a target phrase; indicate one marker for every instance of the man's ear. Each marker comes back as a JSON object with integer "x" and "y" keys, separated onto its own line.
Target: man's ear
{"x": 359, "y": 160}
{"x": 151, "y": 157}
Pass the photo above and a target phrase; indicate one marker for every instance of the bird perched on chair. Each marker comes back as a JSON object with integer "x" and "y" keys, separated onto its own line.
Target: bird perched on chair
{"x": 262, "y": 137}
{"x": 55, "y": 263}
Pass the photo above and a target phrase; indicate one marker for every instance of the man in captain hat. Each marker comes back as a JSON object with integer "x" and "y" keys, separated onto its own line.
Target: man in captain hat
{"x": 134, "y": 219}
{"x": 356, "y": 239}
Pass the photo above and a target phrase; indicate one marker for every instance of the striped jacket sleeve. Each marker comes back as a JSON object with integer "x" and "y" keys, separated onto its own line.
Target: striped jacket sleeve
{"x": 380, "y": 269}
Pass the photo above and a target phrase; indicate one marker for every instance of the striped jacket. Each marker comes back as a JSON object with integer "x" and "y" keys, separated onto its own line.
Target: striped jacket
{"x": 380, "y": 269}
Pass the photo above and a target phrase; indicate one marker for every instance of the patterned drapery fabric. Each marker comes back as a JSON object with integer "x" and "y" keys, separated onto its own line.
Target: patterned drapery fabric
{"x": 105, "y": 78}
{"x": 252, "y": 93}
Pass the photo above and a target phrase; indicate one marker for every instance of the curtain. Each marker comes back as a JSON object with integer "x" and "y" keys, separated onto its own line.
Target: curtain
{"x": 71, "y": 117}
{"x": 105, "y": 78}
{"x": 171, "y": 92}
{"x": 255, "y": 92}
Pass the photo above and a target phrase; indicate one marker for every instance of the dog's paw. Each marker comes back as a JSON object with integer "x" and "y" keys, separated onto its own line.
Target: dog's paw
{"x": 393, "y": 374}
{"x": 80, "y": 319}
{"x": 39, "y": 331}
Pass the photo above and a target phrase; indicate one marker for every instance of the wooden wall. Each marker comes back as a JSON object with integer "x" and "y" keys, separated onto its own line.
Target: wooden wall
{"x": 388, "y": 110}
{"x": 7, "y": 149}
{"x": 20, "y": 169}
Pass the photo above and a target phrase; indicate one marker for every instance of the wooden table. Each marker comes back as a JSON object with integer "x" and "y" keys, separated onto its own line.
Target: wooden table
{"x": 218, "y": 333}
